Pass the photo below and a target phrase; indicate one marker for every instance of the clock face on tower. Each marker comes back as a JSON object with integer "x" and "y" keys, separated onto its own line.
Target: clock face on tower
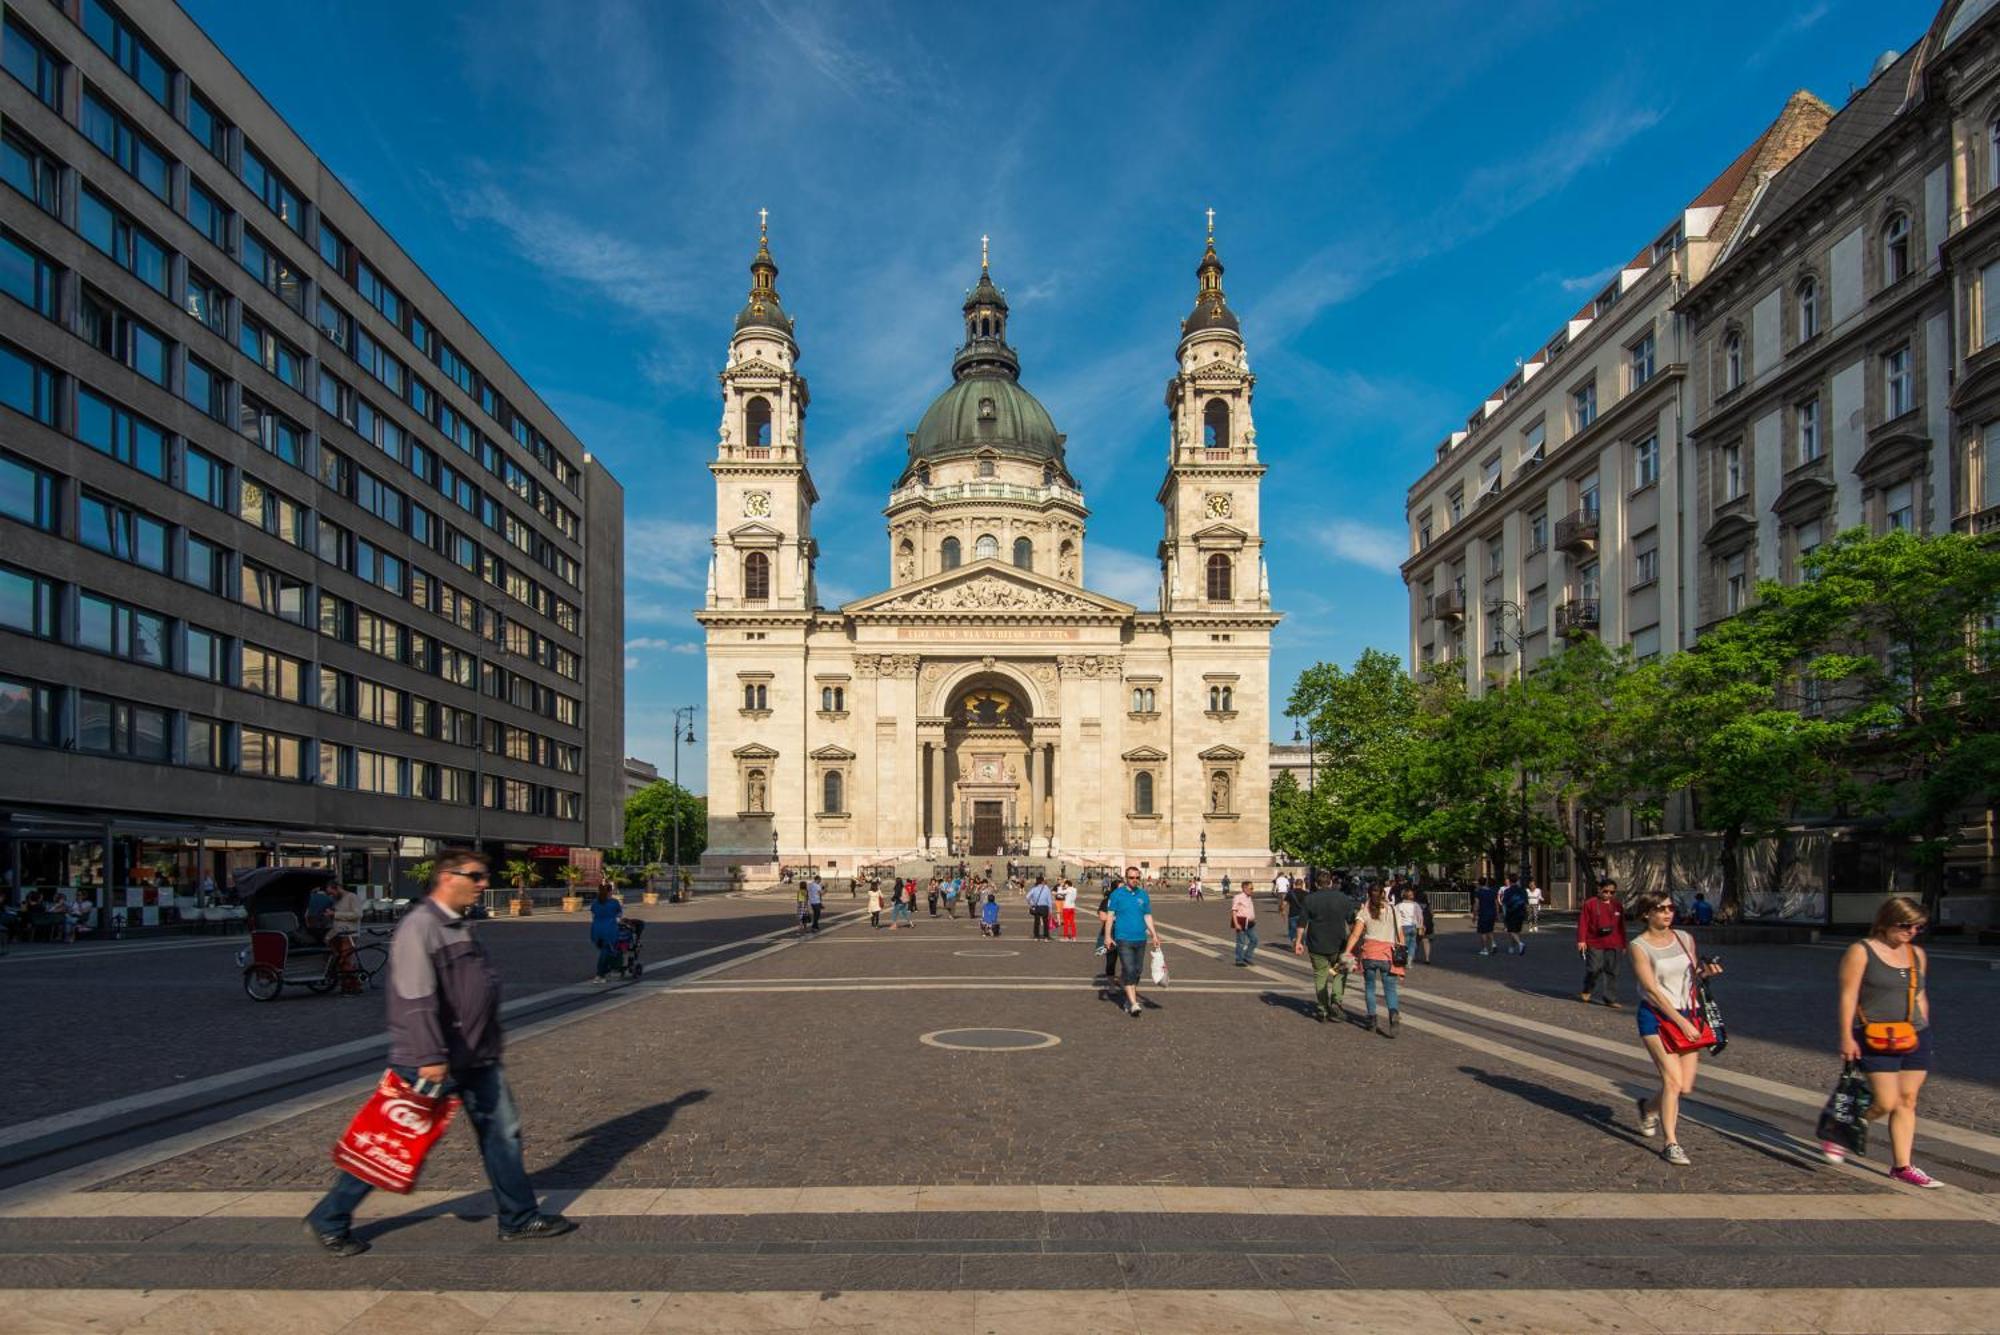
{"x": 1216, "y": 505}
{"x": 757, "y": 504}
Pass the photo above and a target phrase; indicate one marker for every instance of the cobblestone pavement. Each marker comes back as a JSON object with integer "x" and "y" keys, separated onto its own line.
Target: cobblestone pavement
{"x": 1219, "y": 1142}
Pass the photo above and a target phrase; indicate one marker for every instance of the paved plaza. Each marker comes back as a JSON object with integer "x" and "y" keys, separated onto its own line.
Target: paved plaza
{"x": 931, "y": 1130}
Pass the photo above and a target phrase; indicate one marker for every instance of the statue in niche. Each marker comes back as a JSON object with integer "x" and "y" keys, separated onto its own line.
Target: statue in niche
{"x": 1066, "y": 568}
{"x": 905, "y": 567}
{"x": 756, "y": 790}
{"x": 1218, "y": 791}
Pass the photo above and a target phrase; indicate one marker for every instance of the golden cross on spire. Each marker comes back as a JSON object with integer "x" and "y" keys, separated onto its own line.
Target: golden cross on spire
{"x": 763, "y": 224}
{"x": 1211, "y": 227}
{"x": 982, "y": 255}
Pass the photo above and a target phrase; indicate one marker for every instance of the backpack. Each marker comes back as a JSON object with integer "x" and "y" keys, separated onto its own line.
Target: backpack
{"x": 1516, "y": 900}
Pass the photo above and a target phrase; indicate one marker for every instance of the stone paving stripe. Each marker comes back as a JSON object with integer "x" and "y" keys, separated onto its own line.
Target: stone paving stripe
{"x": 1301, "y": 1201}
{"x": 1112, "y": 1308}
{"x": 104, "y": 1170}
{"x": 119, "y": 1109}
{"x": 1710, "y": 1071}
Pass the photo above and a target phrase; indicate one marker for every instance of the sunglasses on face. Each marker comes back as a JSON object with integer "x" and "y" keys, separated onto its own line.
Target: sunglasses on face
{"x": 472, "y": 875}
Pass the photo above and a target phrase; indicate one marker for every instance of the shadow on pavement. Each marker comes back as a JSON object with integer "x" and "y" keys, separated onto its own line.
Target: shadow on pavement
{"x": 596, "y": 1150}
{"x": 1590, "y": 1112}
{"x": 1297, "y": 1005}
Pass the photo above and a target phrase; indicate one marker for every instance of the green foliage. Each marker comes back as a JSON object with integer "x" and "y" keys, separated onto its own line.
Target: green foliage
{"x": 649, "y": 822}
{"x": 518, "y": 873}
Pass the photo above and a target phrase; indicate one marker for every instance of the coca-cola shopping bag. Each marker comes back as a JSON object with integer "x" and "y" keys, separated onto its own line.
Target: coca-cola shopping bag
{"x": 386, "y": 1143}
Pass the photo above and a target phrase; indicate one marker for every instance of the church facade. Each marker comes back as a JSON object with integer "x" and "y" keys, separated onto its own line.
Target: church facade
{"x": 986, "y": 703}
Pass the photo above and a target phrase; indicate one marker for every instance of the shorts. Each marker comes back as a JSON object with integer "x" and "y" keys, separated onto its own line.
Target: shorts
{"x": 1881, "y": 1063}
{"x": 1514, "y": 921}
{"x": 1131, "y": 961}
{"x": 1649, "y": 1020}
{"x": 1485, "y": 926}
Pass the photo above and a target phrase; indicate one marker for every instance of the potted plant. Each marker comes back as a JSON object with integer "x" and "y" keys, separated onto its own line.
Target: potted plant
{"x": 520, "y": 872}
{"x": 571, "y": 875}
{"x": 654, "y": 871}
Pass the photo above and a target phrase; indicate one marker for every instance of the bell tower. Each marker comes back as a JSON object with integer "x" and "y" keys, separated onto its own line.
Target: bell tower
{"x": 1212, "y": 554}
{"x": 763, "y": 549}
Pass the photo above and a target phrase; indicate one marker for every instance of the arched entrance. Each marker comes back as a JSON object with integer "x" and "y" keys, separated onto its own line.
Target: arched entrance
{"x": 986, "y": 739}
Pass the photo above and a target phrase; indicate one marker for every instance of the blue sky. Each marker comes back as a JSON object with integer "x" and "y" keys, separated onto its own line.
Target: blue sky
{"x": 1409, "y": 197}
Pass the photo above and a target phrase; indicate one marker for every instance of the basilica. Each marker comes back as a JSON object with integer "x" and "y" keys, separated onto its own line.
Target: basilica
{"x": 985, "y": 702}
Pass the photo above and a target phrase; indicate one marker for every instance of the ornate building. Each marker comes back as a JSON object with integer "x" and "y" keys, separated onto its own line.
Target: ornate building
{"x": 986, "y": 701}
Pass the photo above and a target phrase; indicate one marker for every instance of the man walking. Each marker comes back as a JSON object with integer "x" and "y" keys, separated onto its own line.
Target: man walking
{"x": 1485, "y": 908}
{"x": 815, "y": 899}
{"x": 1129, "y": 930}
{"x": 1243, "y": 918}
{"x": 444, "y": 1026}
{"x": 1322, "y": 934}
{"x": 1040, "y": 899}
{"x": 1600, "y": 940}
{"x": 1514, "y": 915}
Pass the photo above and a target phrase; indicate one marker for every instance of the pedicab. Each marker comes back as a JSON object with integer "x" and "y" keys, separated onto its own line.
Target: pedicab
{"x": 284, "y": 951}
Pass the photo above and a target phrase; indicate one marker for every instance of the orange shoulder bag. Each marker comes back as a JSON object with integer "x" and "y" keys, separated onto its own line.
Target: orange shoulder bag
{"x": 1889, "y": 1037}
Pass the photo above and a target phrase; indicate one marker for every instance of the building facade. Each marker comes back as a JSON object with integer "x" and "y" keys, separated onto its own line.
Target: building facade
{"x": 295, "y": 565}
{"x": 985, "y": 701}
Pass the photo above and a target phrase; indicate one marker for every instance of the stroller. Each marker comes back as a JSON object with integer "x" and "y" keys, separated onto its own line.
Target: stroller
{"x": 630, "y": 931}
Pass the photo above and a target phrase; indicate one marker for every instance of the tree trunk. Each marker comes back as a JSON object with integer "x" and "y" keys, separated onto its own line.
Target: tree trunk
{"x": 1729, "y": 907}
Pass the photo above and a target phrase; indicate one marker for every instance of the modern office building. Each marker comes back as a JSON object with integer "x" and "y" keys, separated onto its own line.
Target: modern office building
{"x": 293, "y": 564}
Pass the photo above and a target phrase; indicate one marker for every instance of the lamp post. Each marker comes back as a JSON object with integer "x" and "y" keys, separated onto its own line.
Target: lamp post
{"x": 1201, "y": 867}
{"x": 1311, "y": 739}
{"x": 1500, "y": 609}
{"x": 674, "y": 873}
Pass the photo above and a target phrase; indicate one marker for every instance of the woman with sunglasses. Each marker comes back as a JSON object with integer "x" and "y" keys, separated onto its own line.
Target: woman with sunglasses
{"x": 1885, "y": 1026}
{"x": 1663, "y": 961}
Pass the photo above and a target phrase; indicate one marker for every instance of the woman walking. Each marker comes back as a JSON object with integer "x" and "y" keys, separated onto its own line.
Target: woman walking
{"x": 1664, "y": 964}
{"x": 1410, "y": 917}
{"x": 605, "y": 912}
{"x": 1885, "y": 1025}
{"x": 875, "y": 905}
{"x": 1373, "y": 940}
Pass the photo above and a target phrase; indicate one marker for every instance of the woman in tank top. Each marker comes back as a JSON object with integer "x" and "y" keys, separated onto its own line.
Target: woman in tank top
{"x": 1373, "y": 940}
{"x": 1663, "y": 961}
{"x": 1882, "y": 980}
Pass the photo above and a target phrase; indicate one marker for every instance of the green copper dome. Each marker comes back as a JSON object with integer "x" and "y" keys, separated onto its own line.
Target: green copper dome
{"x": 986, "y": 408}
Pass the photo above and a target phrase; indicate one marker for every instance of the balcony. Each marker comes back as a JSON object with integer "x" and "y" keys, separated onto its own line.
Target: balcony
{"x": 1576, "y": 532}
{"x": 1448, "y": 607}
{"x": 1577, "y": 616}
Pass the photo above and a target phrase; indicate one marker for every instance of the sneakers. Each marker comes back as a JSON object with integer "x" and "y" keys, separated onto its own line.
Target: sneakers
{"x": 342, "y": 1243}
{"x": 1134, "y": 1011}
{"x": 1584, "y": 997}
{"x": 1675, "y": 1155}
{"x": 1649, "y": 1120}
{"x": 1485, "y": 952}
{"x": 541, "y": 1226}
{"x": 1913, "y": 1176}
{"x": 1832, "y": 1153}
{"x": 1523, "y": 950}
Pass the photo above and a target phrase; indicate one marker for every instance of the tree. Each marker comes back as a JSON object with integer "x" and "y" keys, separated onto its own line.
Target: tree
{"x": 1569, "y": 719}
{"x": 1365, "y": 726}
{"x": 1905, "y": 632}
{"x": 649, "y": 821}
{"x": 1464, "y": 799}
{"x": 519, "y": 872}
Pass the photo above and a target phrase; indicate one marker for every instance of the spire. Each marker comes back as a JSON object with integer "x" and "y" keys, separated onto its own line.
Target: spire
{"x": 763, "y": 309}
{"x": 1211, "y": 306}
{"x": 985, "y": 349}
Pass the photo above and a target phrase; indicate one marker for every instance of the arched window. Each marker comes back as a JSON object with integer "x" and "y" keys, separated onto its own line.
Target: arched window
{"x": 1142, "y": 793}
{"x": 1048, "y": 475}
{"x": 1220, "y": 578}
{"x": 1228, "y": 698}
{"x": 839, "y": 698}
{"x": 1214, "y": 699}
{"x": 830, "y": 793}
{"x": 1215, "y": 425}
{"x": 987, "y": 548}
{"x": 1732, "y": 361}
{"x": 826, "y": 698}
{"x": 948, "y": 554}
{"x": 1896, "y": 248}
{"x": 757, "y": 422}
{"x": 1993, "y": 156}
{"x": 1024, "y": 554}
{"x": 923, "y": 475}
{"x": 756, "y": 696}
{"x": 756, "y": 576}
{"x": 1808, "y": 307}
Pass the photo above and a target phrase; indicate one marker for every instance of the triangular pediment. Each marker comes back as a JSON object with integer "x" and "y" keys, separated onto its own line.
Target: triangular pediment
{"x": 1148, "y": 754}
{"x": 1221, "y": 535}
{"x": 1223, "y": 752}
{"x": 750, "y": 368}
{"x": 832, "y": 753}
{"x": 989, "y": 587}
{"x": 754, "y": 751}
{"x": 756, "y": 533}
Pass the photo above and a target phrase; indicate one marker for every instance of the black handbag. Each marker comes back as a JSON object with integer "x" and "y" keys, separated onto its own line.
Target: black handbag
{"x": 1399, "y": 956}
{"x": 1844, "y": 1119}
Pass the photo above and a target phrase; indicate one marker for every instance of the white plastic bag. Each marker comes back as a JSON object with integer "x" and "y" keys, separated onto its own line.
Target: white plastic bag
{"x": 1158, "y": 961}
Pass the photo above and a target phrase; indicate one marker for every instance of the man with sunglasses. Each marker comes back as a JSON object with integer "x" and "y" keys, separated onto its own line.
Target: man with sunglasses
{"x": 444, "y": 1028}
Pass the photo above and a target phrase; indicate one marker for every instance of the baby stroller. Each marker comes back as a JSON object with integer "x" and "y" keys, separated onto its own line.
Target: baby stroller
{"x": 630, "y": 930}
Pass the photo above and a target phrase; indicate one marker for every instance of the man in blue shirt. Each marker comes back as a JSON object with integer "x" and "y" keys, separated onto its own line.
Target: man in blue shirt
{"x": 1703, "y": 911}
{"x": 1128, "y": 926}
{"x": 1039, "y": 901}
{"x": 1485, "y": 908}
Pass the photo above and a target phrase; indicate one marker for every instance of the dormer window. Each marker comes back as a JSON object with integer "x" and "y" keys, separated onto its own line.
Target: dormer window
{"x": 987, "y": 468}
{"x": 987, "y": 412}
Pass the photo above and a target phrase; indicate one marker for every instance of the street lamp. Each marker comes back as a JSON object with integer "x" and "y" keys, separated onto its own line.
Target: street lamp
{"x": 1201, "y": 868}
{"x": 1500, "y": 609}
{"x": 679, "y": 737}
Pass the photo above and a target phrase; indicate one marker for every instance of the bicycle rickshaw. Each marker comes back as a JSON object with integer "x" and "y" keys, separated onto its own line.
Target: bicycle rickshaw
{"x": 283, "y": 951}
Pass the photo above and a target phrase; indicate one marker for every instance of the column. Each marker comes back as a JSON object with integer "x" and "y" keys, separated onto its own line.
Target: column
{"x": 936, "y": 839}
{"x": 1034, "y": 820}
{"x": 1049, "y": 782}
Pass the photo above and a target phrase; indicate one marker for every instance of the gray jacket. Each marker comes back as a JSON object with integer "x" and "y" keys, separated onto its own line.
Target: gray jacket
{"x": 444, "y": 993}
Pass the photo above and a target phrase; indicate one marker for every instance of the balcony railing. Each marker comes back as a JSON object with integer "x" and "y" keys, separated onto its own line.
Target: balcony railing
{"x": 1448, "y": 606}
{"x": 1577, "y": 531}
{"x": 1577, "y": 616}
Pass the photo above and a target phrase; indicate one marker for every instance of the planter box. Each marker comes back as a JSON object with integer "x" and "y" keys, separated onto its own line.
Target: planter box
{"x": 650, "y": 897}
{"x": 520, "y": 906}
{"x": 572, "y": 903}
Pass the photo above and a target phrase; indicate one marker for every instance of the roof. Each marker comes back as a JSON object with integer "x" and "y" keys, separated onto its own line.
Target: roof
{"x": 987, "y": 410}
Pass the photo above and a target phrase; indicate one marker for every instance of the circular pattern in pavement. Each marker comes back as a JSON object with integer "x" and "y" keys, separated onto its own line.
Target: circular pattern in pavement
{"x": 989, "y": 1040}
{"x": 985, "y": 954}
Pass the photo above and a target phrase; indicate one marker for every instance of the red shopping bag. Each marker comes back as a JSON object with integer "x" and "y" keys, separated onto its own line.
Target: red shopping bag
{"x": 386, "y": 1143}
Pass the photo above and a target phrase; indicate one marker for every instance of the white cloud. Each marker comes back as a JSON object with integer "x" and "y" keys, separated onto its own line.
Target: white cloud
{"x": 631, "y": 661}
{"x": 1590, "y": 282}
{"x": 1124, "y": 575}
{"x": 668, "y": 646}
{"x": 669, "y": 552}
{"x": 1369, "y": 545}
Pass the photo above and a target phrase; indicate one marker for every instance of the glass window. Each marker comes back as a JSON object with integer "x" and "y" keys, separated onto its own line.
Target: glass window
{"x": 1639, "y": 358}
{"x": 206, "y": 124}
{"x": 27, "y": 712}
{"x": 1732, "y": 472}
{"x": 1896, "y": 248}
{"x": 206, "y": 301}
{"x": 1808, "y": 308}
{"x": 126, "y": 437}
{"x": 30, "y": 170}
{"x": 209, "y": 216}
{"x": 272, "y": 755}
{"x": 27, "y": 386}
{"x": 1899, "y": 506}
{"x": 1646, "y": 462}
{"x": 333, "y": 248}
{"x": 27, "y": 493}
{"x": 269, "y": 267}
{"x": 986, "y": 548}
{"x": 27, "y": 603}
{"x": 206, "y": 389}
{"x": 1809, "y": 436}
{"x": 117, "y": 38}
{"x": 27, "y": 277}
{"x": 207, "y": 743}
{"x": 130, "y": 246}
{"x": 273, "y": 189}
{"x": 207, "y": 565}
{"x": 34, "y": 64}
{"x": 1898, "y": 382}
{"x": 1538, "y": 532}
{"x": 1583, "y": 401}
{"x": 206, "y": 654}
{"x": 119, "y": 140}
{"x": 1646, "y": 559}
{"x": 118, "y": 335}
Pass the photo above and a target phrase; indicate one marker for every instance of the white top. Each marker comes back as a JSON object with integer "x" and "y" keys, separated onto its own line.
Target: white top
{"x": 1673, "y": 968}
{"x": 1069, "y": 896}
{"x": 1411, "y": 914}
{"x": 1378, "y": 929}
{"x": 1283, "y": 883}
{"x": 1534, "y": 894}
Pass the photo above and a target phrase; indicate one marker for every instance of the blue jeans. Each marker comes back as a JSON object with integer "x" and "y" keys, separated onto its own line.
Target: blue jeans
{"x": 1246, "y": 942}
{"x": 489, "y": 1105}
{"x": 1370, "y": 971}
